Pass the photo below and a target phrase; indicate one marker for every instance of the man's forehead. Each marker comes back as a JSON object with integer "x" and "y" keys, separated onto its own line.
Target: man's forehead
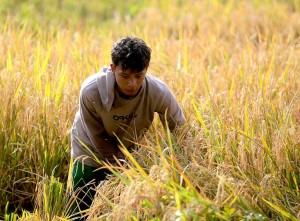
{"x": 130, "y": 71}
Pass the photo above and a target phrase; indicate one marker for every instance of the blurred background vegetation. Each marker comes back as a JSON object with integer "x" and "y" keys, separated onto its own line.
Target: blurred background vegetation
{"x": 233, "y": 65}
{"x": 74, "y": 13}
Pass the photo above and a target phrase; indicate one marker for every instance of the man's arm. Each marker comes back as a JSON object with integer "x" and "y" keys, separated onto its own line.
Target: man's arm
{"x": 170, "y": 111}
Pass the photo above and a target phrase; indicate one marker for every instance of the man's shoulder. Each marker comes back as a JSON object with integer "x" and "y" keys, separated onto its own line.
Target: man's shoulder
{"x": 157, "y": 89}
{"x": 91, "y": 82}
{"x": 155, "y": 83}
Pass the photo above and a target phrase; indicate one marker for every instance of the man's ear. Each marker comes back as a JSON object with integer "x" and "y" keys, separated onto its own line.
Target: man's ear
{"x": 113, "y": 67}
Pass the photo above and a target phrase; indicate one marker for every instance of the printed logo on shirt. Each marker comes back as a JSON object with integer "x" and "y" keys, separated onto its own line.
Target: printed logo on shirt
{"x": 126, "y": 117}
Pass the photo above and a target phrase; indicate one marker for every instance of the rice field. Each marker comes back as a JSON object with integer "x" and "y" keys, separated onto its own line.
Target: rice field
{"x": 233, "y": 66}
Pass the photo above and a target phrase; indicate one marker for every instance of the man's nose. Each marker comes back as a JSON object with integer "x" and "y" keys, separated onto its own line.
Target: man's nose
{"x": 132, "y": 83}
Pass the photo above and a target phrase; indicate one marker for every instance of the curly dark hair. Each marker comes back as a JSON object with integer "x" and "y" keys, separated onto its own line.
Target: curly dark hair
{"x": 132, "y": 53}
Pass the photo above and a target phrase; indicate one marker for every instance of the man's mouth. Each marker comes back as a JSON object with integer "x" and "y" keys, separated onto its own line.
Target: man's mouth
{"x": 131, "y": 91}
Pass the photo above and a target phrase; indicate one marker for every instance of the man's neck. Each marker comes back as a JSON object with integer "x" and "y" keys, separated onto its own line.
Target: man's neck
{"x": 122, "y": 95}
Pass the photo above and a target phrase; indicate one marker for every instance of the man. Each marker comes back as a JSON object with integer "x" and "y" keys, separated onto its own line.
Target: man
{"x": 119, "y": 102}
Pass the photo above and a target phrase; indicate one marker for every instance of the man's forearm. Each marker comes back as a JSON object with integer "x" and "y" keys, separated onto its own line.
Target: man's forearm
{"x": 108, "y": 148}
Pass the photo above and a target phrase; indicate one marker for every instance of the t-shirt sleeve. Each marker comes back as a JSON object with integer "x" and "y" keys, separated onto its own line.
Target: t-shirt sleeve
{"x": 169, "y": 110}
{"x": 92, "y": 123}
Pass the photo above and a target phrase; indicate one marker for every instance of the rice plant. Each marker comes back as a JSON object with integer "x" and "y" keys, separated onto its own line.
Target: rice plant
{"x": 234, "y": 67}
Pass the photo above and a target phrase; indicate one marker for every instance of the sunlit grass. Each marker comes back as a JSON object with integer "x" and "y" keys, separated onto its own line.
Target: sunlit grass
{"x": 234, "y": 68}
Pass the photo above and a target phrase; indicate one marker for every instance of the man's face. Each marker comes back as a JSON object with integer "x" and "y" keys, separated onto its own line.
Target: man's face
{"x": 128, "y": 81}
